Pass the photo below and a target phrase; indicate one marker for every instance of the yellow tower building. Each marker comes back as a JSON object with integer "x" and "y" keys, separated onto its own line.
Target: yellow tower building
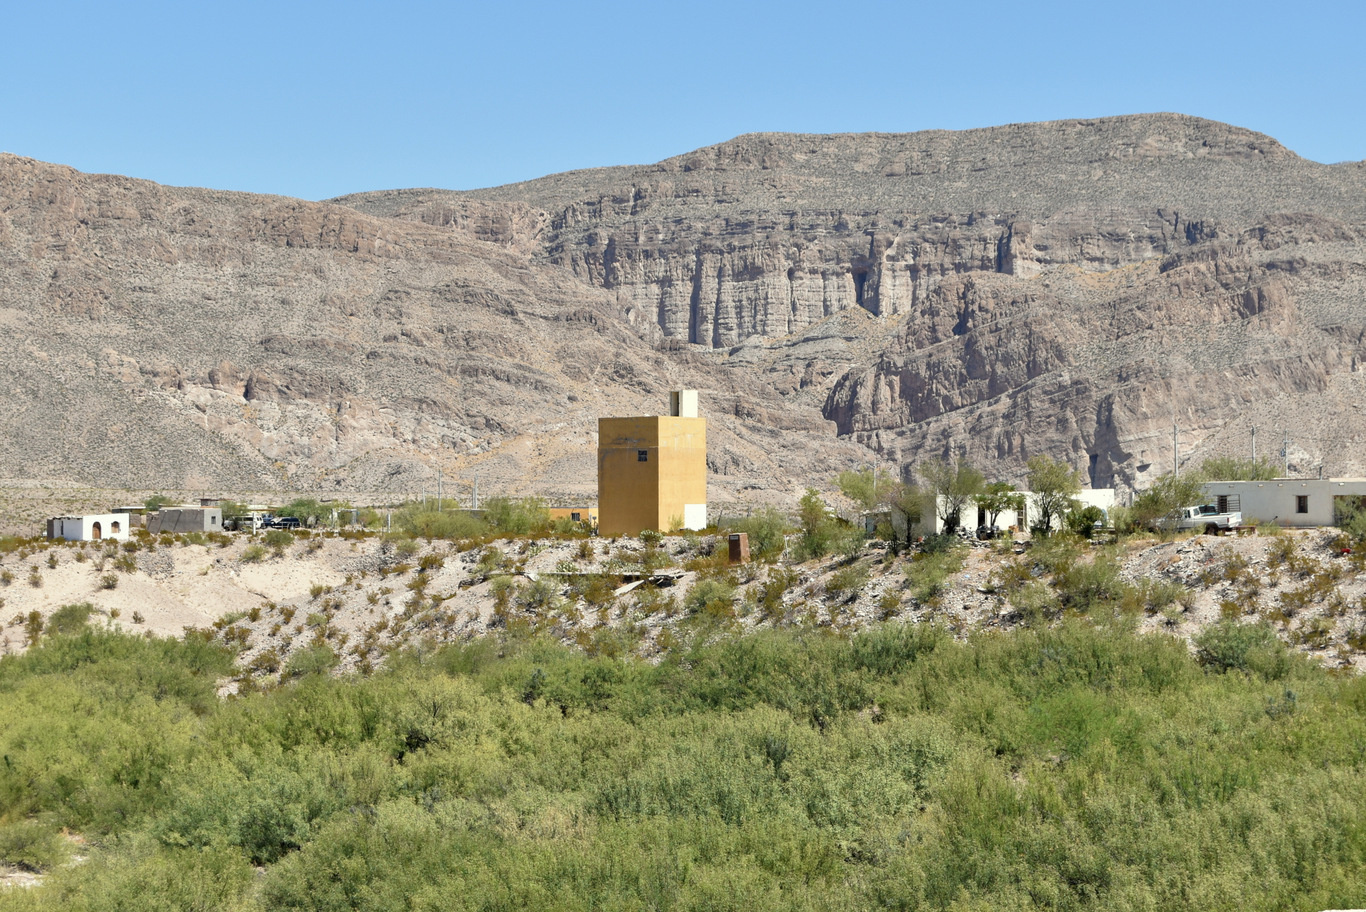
{"x": 652, "y": 472}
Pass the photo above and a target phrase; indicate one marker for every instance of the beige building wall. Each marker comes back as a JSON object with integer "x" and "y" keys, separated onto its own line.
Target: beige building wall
{"x": 652, "y": 474}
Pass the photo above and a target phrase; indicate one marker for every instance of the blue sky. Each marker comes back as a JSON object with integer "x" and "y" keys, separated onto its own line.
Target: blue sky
{"x": 315, "y": 100}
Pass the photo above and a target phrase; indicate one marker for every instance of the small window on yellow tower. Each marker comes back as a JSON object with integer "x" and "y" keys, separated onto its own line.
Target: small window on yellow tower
{"x": 642, "y": 455}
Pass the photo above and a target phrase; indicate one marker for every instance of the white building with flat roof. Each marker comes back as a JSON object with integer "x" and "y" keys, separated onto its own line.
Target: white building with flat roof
{"x": 1297, "y": 502}
{"x": 94, "y": 527}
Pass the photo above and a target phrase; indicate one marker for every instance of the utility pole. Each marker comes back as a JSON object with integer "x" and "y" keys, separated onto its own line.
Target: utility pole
{"x": 1285, "y": 452}
{"x": 1176, "y": 453}
{"x": 438, "y": 489}
{"x": 1254, "y": 447}
{"x": 475, "y": 505}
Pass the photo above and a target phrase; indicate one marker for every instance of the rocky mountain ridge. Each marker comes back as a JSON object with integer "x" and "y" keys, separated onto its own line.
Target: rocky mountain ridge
{"x": 1073, "y": 288}
{"x": 1076, "y": 287}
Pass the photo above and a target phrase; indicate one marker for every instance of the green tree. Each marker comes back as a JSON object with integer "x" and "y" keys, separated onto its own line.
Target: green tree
{"x": 306, "y": 510}
{"x": 767, "y": 531}
{"x": 817, "y": 525}
{"x": 953, "y": 486}
{"x": 999, "y": 497}
{"x": 517, "y": 516}
{"x": 1160, "y": 506}
{"x": 1055, "y": 485}
{"x": 865, "y": 486}
{"x": 906, "y": 502}
{"x": 156, "y": 502}
{"x": 1233, "y": 468}
{"x": 233, "y": 510}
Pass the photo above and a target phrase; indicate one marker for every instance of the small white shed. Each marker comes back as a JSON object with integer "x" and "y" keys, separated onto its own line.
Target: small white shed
{"x": 94, "y": 527}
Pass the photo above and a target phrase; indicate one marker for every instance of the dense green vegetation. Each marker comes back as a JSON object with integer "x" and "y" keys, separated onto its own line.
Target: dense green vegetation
{"x": 1071, "y": 768}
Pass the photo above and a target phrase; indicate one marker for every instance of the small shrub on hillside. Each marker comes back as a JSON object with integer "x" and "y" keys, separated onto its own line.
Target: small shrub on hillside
{"x": 109, "y": 581}
{"x": 70, "y": 619}
{"x": 52, "y": 561}
{"x": 847, "y": 581}
{"x": 35, "y": 578}
{"x": 767, "y": 530}
{"x": 714, "y": 597}
{"x": 928, "y": 573}
{"x": 1229, "y": 646}
{"x": 32, "y": 846}
{"x": 253, "y": 554}
{"x": 311, "y": 660}
{"x": 278, "y": 540}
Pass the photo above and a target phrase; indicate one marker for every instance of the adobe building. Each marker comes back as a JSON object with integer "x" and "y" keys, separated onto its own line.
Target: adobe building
{"x": 587, "y": 515}
{"x": 94, "y": 527}
{"x": 652, "y": 471}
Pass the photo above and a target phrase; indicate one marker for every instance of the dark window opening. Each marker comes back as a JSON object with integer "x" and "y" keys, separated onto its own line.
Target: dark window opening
{"x": 642, "y": 455}
{"x": 114, "y": 528}
{"x": 575, "y": 517}
{"x": 1301, "y": 503}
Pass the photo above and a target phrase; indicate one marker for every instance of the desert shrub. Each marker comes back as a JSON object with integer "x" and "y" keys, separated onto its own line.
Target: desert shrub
{"x": 776, "y": 585}
{"x": 767, "y": 530}
{"x": 253, "y": 554}
{"x": 35, "y": 578}
{"x": 32, "y": 846}
{"x": 1036, "y": 603}
{"x": 1081, "y": 520}
{"x": 928, "y": 572}
{"x": 517, "y": 516}
{"x": 406, "y": 548}
{"x": 817, "y": 527}
{"x": 311, "y": 660}
{"x": 278, "y": 540}
{"x": 938, "y": 543}
{"x": 1084, "y": 587}
{"x": 714, "y": 597}
{"x": 1229, "y": 645}
{"x": 847, "y": 580}
{"x": 109, "y": 581}
{"x": 539, "y": 595}
{"x": 70, "y": 619}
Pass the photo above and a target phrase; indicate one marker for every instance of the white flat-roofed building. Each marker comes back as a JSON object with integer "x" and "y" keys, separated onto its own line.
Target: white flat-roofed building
{"x": 94, "y": 527}
{"x": 1298, "y": 502}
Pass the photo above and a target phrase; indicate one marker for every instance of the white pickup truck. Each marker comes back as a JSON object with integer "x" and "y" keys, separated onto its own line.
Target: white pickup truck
{"x": 1208, "y": 519}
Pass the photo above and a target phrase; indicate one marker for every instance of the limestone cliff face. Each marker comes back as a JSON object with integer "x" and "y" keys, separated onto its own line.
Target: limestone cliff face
{"x": 1075, "y": 288}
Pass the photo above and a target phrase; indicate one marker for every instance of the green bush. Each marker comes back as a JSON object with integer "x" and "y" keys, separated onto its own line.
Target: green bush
{"x": 311, "y": 660}
{"x": 278, "y": 540}
{"x": 253, "y": 554}
{"x": 711, "y": 596}
{"x": 767, "y": 530}
{"x": 513, "y": 516}
{"x": 70, "y": 619}
{"x": 31, "y": 845}
{"x": 1229, "y": 645}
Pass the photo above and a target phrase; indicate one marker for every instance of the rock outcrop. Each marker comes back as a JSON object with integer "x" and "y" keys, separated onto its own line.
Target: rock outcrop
{"x": 1075, "y": 288}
